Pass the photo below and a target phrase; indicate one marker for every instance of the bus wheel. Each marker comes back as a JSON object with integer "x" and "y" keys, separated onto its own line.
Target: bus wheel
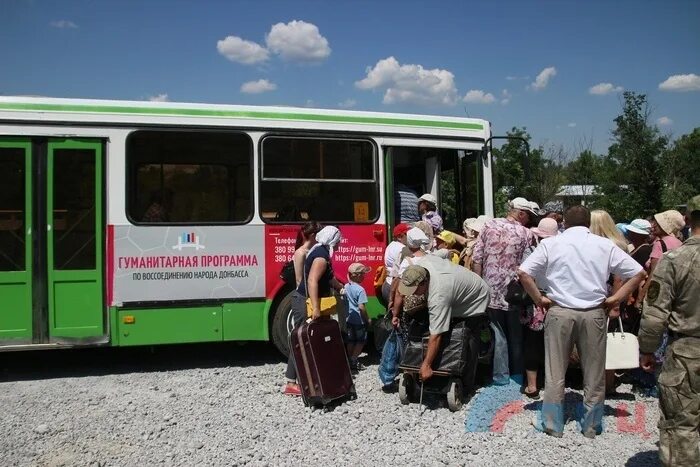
{"x": 282, "y": 324}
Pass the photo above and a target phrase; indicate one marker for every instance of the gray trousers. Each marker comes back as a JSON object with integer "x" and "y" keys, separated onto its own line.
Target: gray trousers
{"x": 587, "y": 329}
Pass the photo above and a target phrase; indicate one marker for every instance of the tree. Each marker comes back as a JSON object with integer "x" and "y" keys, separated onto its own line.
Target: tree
{"x": 585, "y": 172}
{"x": 632, "y": 182}
{"x": 546, "y": 174}
{"x": 680, "y": 167}
{"x": 509, "y": 168}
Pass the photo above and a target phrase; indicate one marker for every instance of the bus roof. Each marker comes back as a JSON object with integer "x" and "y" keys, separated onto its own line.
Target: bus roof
{"x": 115, "y": 112}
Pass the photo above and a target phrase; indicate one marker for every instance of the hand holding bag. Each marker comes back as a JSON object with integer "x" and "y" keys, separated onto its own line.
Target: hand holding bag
{"x": 622, "y": 351}
{"x": 327, "y": 305}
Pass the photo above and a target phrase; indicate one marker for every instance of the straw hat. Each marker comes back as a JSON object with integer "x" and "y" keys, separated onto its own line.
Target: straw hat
{"x": 670, "y": 221}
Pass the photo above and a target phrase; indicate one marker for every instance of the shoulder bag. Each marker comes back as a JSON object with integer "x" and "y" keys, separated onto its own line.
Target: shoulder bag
{"x": 327, "y": 305}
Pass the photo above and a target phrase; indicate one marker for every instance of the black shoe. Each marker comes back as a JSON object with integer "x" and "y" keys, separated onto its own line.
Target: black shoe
{"x": 391, "y": 387}
{"x": 535, "y": 395}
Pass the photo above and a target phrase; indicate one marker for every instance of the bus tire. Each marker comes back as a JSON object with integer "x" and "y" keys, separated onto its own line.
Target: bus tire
{"x": 281, "y": 324}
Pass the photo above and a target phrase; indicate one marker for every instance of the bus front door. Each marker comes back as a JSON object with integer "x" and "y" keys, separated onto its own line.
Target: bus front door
{"x": 51, "y": 242}
{"x": 447, "y": 174}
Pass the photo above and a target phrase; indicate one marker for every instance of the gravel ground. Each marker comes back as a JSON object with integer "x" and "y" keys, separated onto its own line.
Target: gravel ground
{"x": 222, "y": 405}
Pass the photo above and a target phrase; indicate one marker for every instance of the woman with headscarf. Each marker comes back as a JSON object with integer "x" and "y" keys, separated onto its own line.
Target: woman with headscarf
{"x": 318, "y": 272}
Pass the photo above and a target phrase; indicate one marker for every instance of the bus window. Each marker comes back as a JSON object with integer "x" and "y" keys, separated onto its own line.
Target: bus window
{"x": 324, "y": 179}
{"x": 191, "y": 177}
{"x": 12, "y": 204}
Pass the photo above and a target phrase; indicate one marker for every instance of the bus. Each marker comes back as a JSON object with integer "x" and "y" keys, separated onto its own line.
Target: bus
{"x": 142, "y": 223}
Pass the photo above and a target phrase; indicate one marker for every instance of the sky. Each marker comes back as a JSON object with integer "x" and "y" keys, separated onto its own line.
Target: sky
{"x": 557, "y": 68}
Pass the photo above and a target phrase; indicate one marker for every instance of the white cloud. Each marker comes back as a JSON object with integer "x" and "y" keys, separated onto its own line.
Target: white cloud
{"x": 664, "y": 121}
{"x": 309, "y": 103}
{"x": 505, "y": 97}
{"x": 159, "y": 98}
{"x": 257, "y": 87}
{"x": 514, "y": 78}
{"x": 543, "y": 78}
{"x": 63, "y": 24}
{"x": 477, "y": 96}
{"x": 347, "y": 104}
{"x": 298, "y": 41}
{"x": 239, "y": 50}
{"x": 571, "y": 124}
{"x": 601, "y": 89}
{"x": 410, "y": 83}
{"x": 681, "y": 83}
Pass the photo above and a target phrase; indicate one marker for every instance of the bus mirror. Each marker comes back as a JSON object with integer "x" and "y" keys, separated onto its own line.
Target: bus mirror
{"x": 485, "y": 153}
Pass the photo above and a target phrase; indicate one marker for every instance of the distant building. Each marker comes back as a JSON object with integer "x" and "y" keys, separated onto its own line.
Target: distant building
{"x": 572, "y": 195}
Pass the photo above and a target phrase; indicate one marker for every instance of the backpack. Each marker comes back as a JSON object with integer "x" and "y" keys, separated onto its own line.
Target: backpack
{"x": 379, "y": 278}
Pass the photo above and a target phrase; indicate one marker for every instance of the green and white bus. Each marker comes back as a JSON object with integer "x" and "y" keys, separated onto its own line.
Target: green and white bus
{"x": 141, "y": 223}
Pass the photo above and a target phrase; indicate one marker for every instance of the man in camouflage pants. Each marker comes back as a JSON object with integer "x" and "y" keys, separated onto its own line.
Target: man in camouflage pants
{"x": 673, "y": 301}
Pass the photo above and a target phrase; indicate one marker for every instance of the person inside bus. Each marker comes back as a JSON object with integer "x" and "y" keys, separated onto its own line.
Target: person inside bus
{"x": 405, "y": 204}
{"x": 427, "y": 207}
{"x": 159, "y": 209}
{"x": 306, "y": 239}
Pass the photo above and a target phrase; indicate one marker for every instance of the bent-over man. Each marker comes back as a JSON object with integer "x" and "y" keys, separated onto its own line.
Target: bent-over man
{"x": 450, "y": 291}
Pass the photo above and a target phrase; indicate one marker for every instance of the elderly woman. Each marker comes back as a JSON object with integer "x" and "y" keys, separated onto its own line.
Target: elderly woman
{"x": 532, "y": 318}
{"x": 664, "y": 227}
{"x": 427, "y": 207}
{"x": 472, "y": 227}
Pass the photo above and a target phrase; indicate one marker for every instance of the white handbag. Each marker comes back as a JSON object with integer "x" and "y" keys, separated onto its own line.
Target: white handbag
{"x": 622, "y": 351}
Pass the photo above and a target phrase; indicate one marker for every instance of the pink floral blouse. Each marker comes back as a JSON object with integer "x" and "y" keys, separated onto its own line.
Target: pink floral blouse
{"x": 499, "y": 249}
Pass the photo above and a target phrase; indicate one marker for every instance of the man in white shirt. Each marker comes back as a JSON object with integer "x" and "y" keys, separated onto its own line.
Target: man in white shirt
{"x": 391, "y": 255}
{"x": 573, "y": 268}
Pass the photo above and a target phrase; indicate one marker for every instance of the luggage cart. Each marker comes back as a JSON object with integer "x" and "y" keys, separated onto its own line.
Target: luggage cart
{"x": 454, "y": 368}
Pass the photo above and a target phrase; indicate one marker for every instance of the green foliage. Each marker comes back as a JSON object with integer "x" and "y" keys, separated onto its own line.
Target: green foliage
{"x": 641, "y": 174}
{"x": 537, "y": 178}
{"x": 632, "y": 179}
{"x": 680, "y": 166}
{"x": 509, "y": 167}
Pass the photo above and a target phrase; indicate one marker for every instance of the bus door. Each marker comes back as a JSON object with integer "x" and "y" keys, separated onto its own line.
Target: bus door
{"x": 451, "y": 175}
{"x": 51, "y": 241}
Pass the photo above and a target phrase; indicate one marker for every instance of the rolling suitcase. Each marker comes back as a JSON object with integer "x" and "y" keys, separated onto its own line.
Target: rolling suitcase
{"x": 322, "y": 365}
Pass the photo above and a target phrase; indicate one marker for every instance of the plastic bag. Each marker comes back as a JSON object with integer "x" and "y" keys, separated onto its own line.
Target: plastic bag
{"x": 391, "y": 356}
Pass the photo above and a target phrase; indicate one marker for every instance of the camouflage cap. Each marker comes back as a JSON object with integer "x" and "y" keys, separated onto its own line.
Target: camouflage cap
{"x": 693, "y": 204}
{"x": 411, "y": 278}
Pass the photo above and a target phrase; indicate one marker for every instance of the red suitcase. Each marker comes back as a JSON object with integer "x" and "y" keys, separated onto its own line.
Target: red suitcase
{"x": 322, "y": 365}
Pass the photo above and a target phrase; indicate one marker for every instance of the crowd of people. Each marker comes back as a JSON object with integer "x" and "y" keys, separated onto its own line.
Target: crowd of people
{"x": 549, "y": 281}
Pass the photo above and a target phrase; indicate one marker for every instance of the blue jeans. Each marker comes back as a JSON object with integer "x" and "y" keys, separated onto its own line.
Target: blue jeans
{"x": 508, "y": 345}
